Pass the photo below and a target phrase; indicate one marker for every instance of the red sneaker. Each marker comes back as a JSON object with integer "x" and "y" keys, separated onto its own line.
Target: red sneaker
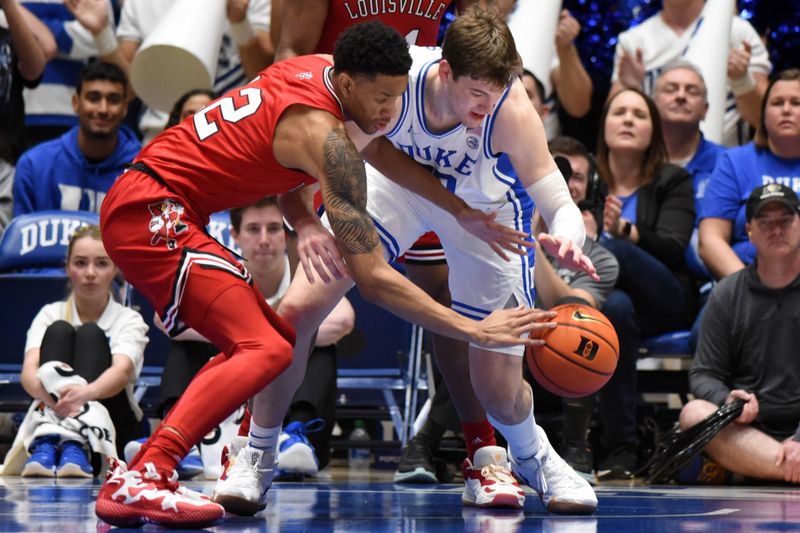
{"x": 131, "y": 498}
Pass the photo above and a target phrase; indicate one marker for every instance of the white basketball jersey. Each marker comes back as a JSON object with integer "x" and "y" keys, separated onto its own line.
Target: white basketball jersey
{"x": 462, "y": 158}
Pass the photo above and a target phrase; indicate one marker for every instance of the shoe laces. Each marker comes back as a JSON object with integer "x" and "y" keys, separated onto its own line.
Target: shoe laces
{"x": 559, "y": 472}
{"x": 497, "y": 473}
{"x": 73, "y": 452}
{"x": 301, "y": 429}
{"x": 160, "y": 480}
{"x": 246, "y": 470}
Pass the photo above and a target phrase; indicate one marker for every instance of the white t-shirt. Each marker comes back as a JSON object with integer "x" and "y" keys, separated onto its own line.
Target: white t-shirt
{"x": 140, "y": 17}
{"x": 284, "y": 285}
{"x": 660, "y": 45}
{"x": 124, "y": 327}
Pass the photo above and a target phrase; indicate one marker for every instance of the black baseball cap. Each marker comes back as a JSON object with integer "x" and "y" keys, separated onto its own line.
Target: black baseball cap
{"x": 771, "y": 192}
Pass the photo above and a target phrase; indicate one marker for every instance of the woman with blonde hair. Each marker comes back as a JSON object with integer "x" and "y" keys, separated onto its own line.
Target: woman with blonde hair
{"x": 102, "y": 340}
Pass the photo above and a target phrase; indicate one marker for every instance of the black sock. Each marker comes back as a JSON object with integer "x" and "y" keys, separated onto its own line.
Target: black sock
{"x": 577, "y": 418}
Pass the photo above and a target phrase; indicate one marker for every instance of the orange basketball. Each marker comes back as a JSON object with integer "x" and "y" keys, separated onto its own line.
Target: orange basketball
{"x": 580, "y": 354}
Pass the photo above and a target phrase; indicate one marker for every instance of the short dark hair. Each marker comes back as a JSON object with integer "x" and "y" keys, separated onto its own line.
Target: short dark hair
{"x": 536, "y": 83}
{"x": 568, "y": 146}
{"x": 371, "y": 49}
{"x": 237, "y": 213}
{"x": 101, "y": 70}
{"x": 175, "y": 114}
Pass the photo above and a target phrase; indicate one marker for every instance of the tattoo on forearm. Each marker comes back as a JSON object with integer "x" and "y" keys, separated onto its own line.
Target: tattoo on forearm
{"x": 347, "y": 195}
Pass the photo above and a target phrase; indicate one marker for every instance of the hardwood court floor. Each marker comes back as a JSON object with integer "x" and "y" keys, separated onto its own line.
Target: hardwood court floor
{"x": 342, "y": 501}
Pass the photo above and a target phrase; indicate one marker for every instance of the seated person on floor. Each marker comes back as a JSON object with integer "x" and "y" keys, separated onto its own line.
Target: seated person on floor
{"x": 747, "y": 349}
{"x": 103, "y": 342}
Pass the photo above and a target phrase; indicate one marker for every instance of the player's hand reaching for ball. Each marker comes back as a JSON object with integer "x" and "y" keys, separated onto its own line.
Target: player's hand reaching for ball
{"x": 496, "y": 235}
{"x": 317, "y": 250}
{"x": 509, "y": 327}
{"x": 568, "y": 254}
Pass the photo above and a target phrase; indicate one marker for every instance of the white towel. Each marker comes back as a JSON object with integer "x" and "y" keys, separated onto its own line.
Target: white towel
{"x": 93, "y": 426}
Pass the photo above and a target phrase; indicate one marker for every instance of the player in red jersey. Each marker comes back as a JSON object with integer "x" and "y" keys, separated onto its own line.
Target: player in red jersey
{"x": 274, "y": 135}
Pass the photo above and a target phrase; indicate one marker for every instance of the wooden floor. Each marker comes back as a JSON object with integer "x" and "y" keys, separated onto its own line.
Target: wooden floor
{"x": 340, "y": 500}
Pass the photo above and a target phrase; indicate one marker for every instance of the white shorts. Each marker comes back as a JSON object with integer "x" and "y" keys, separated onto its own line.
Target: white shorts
{"x": 480, "y": 281}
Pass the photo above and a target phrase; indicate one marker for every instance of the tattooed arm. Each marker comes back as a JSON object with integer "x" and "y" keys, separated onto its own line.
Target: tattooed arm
{"x": 324, "y": 150}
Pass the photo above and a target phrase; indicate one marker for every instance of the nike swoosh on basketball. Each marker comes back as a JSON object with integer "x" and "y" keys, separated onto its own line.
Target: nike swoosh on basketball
{"x": 577, "y": 315}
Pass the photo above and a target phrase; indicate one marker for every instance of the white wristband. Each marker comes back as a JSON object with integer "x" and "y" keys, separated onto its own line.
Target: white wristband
{"x": 562, "y": 216}
{"x": 106, "y": 41}
{"x": 743, "y": 85}
{"x": 242, "y": 32}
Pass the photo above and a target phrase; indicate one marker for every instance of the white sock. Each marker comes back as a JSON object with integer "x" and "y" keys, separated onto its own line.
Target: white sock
{"x": 265, "y": 439}
{"x": 522, "y": 438}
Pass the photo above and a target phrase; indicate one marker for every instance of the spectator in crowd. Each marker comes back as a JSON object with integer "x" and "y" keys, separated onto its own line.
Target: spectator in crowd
{"x": 568, "y": 87}
{"x": 748, "y": 350}
{"x": 648, "y": 220}
{"x": 246, "y": 42}
{"x": 25, "y": 47}
{"x": 585, "y": 186}
{"x": 680, "y": 96}
{"x": 773, "y": 156}
{"x": 535, "y": 89}
{"x": 555, "y": 285}
{"x": 48, "y": 107}
{"x": 644, "y": 50}
{"x": 259, "y": 232}
{"x": 75, "y": 171}
{"x": 104, "y": 343}
{"x": 189, "y": 104}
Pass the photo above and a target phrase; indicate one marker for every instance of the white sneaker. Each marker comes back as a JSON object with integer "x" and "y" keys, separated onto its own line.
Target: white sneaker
{"x": 561, "y": 489}
{"x": 242, "y": 487}
{"x": 488, "y": 481}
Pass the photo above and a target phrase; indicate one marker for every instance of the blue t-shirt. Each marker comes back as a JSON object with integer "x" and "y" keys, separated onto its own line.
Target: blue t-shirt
{"x": 627, "y": 212}
{"x": 629, "y": 206}
{"x": 702, "y": 165}
{"x": 740, "y": 170}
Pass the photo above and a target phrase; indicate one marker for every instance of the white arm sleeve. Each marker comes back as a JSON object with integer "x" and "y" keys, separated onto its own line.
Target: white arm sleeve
{"x": 552, "y": 199}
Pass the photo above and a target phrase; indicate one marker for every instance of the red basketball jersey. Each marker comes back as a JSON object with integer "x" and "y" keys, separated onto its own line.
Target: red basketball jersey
{"x": 417, "y": 20}
{"x": 222, "y": 156}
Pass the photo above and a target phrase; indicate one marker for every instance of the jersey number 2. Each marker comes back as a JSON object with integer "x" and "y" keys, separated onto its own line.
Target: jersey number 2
{"x": 229, "y": 112}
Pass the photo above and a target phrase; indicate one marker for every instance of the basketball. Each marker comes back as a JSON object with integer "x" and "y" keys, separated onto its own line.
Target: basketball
{"x": 579, "y": 355}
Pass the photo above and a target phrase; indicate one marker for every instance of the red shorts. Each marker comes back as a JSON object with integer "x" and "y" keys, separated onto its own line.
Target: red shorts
{"x": 156, "y": 239}
{"x": 426, "y": 251}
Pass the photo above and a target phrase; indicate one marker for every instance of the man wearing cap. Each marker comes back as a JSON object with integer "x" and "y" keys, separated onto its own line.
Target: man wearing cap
{"x": 748, "y": 348}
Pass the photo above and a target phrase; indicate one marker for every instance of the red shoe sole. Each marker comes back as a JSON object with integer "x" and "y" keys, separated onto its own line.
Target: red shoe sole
{"x": 121, "y": 515}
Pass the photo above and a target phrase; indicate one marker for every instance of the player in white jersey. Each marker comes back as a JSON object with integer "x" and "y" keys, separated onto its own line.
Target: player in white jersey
{"x": 462, "y": 118}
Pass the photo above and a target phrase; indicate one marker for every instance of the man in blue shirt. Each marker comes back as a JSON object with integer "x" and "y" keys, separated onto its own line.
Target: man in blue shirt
{"x": 74, "y": 171}
{"x": 681, "y": 97}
